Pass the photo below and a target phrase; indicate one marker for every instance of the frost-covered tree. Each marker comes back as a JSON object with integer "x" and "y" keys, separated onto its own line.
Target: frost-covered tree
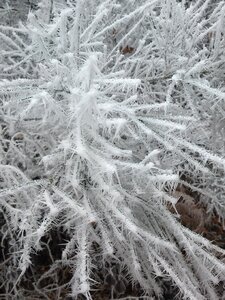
{"x": 105, "y": 107}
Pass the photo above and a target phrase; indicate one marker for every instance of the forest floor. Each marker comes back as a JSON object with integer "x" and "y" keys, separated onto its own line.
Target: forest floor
{"x": 191, "y": 215}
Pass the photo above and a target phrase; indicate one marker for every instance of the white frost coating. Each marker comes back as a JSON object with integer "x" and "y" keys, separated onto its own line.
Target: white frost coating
{"x": 105, "y": 107}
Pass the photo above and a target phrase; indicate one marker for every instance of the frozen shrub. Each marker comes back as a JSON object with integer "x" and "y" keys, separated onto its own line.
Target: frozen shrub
{"x": 105, "y": 107}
